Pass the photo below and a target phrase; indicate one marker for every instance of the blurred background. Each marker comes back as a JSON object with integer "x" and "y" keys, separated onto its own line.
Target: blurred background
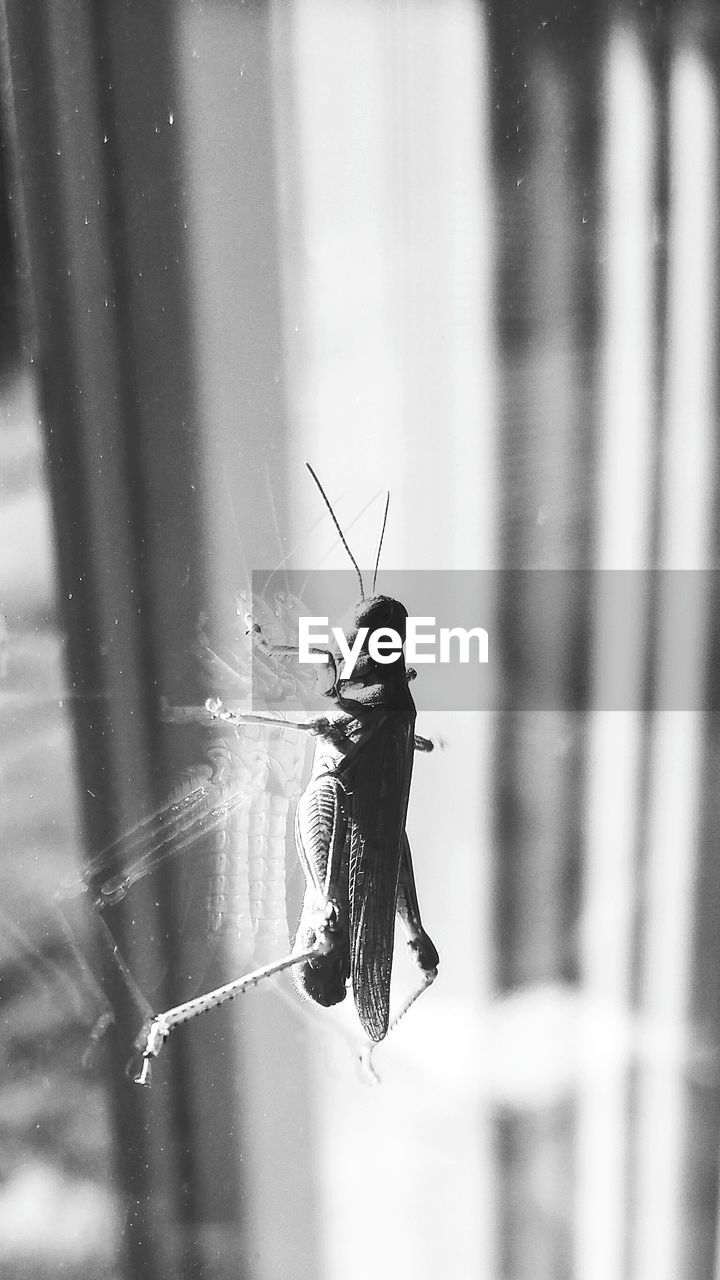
{"x": 466, "y": 252}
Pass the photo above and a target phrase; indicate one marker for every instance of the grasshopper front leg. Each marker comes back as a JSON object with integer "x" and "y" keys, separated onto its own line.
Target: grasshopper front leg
{"x": 271, "y": 650}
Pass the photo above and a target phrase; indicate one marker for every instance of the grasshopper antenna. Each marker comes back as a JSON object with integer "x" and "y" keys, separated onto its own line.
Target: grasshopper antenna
{"x": 335, "y": 521}
{"x": 382, "y": 535}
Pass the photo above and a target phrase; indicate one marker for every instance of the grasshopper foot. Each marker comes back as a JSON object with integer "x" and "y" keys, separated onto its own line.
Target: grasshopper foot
{"x": 367, "y": 1066}
{"x": 149, "y": 1043}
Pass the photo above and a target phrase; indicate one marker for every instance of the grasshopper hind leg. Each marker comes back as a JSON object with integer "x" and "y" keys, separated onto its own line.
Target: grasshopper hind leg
{"x": 420, "y": 943}
{"x": 321, "y": 837}
{"x": 420, "y": 946}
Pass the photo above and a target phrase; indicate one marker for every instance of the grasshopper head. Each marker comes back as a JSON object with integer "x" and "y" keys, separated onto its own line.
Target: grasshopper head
{"x": 379, "y": 613}
{"x": 370, "y": 672}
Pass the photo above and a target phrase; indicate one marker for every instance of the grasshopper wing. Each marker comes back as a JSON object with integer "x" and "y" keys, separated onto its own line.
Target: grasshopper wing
{"x": 380, "y": 789}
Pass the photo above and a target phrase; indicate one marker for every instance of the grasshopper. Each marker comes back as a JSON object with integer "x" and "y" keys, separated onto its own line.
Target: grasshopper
{"x": 349, "y": 832}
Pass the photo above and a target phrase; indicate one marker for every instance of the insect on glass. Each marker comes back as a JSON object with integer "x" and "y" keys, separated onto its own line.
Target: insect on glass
{"x": 349, "y": 833}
